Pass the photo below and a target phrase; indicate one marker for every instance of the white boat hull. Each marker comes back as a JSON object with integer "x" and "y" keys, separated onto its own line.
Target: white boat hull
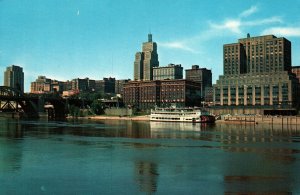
{"x": 184, "y": 115}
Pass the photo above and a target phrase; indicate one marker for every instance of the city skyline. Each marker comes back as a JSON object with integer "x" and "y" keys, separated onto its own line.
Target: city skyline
{"x": 70, "y": 39}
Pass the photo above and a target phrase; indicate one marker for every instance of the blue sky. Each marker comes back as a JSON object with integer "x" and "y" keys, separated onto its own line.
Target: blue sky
{"x": 66, "y": 39}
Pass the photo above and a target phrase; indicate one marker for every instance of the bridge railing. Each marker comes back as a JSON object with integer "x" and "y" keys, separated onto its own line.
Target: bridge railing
{"x": 9, "y": 91}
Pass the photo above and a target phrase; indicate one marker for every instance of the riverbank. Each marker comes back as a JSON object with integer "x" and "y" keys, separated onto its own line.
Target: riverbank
{"x": 284, "y": 120}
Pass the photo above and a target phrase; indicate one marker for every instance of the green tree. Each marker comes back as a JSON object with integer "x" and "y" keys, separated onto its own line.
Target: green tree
{"x": 74, "y": 111}
{"x": 97, "y": 107}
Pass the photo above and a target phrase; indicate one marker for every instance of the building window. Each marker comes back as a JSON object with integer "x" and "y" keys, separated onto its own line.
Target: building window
{"x": 275, "y": 95}
{"x": 285, "y": 94}
{"x": 257, "y": 95}
{"x": 267, "y": 95}
{"x": 241, "y": 95}
{"x": 232, "y": 95}
{"x": 249, "y": 95}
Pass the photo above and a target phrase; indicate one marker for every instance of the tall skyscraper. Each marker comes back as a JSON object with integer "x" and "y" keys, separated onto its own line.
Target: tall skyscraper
{"x": 146, "y": 60}
{"x": 14, "y": 77}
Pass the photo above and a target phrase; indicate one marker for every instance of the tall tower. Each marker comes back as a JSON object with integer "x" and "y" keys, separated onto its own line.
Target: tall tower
{"x": 146, "y": 60}
{"x": 14, "y": 77}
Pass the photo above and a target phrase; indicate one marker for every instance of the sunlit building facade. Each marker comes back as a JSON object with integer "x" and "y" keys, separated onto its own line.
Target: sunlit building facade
{"x": 43, "y": 85}
{"x": 163, "y": 93}
{"x": 257, "y": 72}
{"x": 172, "y": 71}
{"x": 146, "y": 60}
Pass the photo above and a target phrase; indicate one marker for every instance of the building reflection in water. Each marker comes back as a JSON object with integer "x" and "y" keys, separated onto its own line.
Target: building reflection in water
{"x": 11, "y": 132}
{"x": 138, "y": 129}
{"x": 146, "y": 175}
{"x": 250, "y": 158}
{"x": 112, "y": 128}
{"x": 267, "y": 149}
{"x": 10, "y": 128}
{"x": 177, "y": 130}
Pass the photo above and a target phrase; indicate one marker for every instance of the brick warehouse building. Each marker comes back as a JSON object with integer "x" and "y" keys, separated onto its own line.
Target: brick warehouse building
{"x": 163, "y": 93}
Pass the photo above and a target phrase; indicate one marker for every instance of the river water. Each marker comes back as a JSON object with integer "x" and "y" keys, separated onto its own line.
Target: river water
{"x": 130, "y": 157}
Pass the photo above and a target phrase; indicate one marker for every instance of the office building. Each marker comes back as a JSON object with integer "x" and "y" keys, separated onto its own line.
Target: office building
{"x": 204, "y": 77}
{"x": 41, "y": 85}
{"x": 257, "y": 73}
{"x": 75, "y": 86}
{"x": 107, "y": 85}
{"x": 208, "y": 96}
{"x": 119, "y": 85}
{"x": 138, "y": 66}
{"x": 170, "y": 72}
{"x": 57, "y": 86}
{"x": 257, "y": 55}
{"x": 14, "y": 77}
{"x": 80, "y": 84}
{"x": 67, "y": 85}
{"x": 146, "y": 60}
{"x": 44, "y": 85}
{"x": 99, "y": 86}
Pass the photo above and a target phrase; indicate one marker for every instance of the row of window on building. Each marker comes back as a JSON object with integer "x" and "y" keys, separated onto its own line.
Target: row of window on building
{"x": 148, "y": 94}
{"x": 253, "y": 95}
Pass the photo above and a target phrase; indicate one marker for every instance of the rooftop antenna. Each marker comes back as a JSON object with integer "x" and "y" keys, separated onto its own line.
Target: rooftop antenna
{"x": 112, "y": 64}
{"x": 150, "y": 36}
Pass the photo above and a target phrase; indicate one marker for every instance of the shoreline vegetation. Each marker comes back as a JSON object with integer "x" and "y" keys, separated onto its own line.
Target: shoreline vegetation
{"x": 289, "y": 120}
